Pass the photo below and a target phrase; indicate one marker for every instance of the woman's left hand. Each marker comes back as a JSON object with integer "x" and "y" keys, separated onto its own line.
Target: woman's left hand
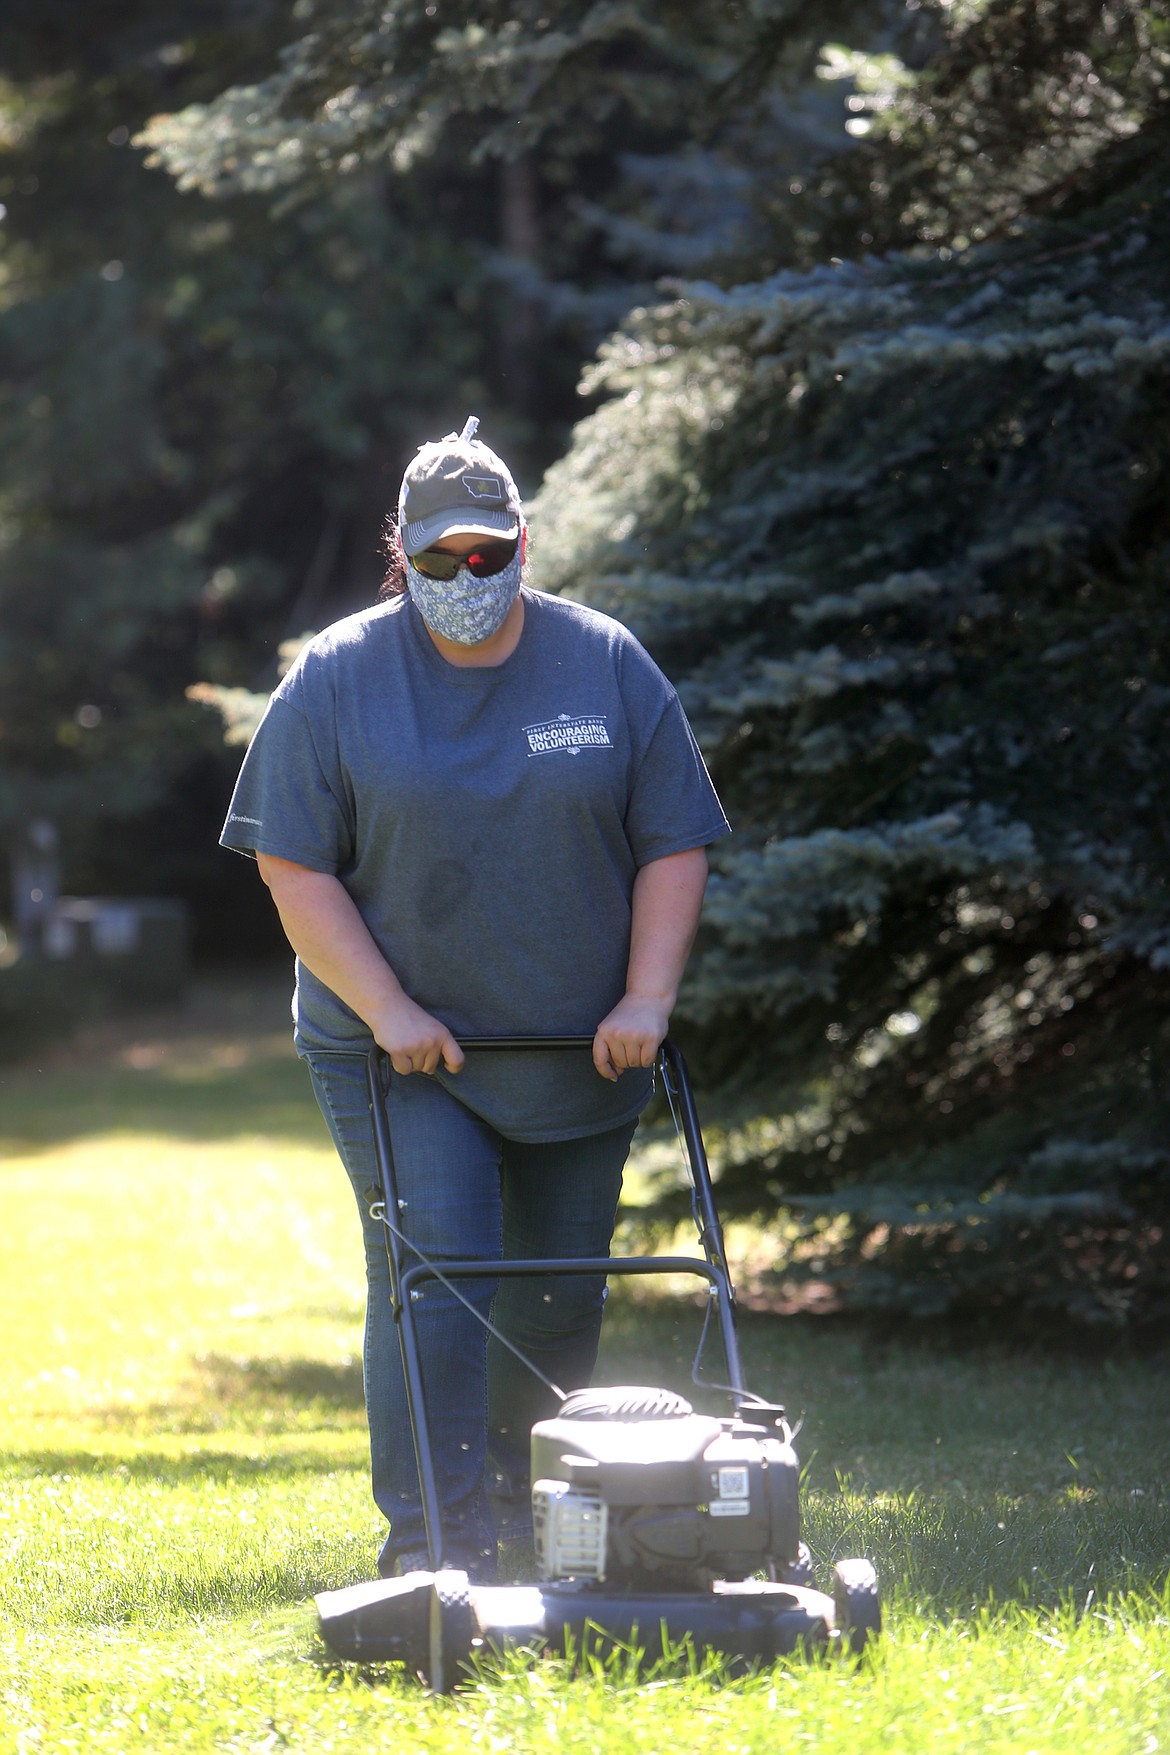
{"x": 631, "y": 1035}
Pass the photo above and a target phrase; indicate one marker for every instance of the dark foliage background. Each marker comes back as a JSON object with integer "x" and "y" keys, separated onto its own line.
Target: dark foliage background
{"x": 872, "y": 454}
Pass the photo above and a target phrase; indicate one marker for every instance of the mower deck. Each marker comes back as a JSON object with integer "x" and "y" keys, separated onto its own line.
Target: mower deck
{"x": 434, "y": 1622}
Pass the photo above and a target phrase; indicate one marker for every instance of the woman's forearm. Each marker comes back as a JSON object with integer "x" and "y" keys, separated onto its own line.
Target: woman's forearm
{"x": 667, "y": 901}
{"x": 328, "y": 934}
{"x": 330, "y": 937}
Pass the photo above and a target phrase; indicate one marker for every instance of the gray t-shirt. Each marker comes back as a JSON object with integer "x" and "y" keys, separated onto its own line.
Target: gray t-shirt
{"x": 488, "y": 823}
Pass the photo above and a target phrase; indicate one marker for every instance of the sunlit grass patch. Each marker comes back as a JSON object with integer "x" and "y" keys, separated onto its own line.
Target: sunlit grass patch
{"x": 177, "y": 1207}
{"x": 185, "y": 1463}
{"x": 154, "y": 1541}
{"x": 153, "y": 1257}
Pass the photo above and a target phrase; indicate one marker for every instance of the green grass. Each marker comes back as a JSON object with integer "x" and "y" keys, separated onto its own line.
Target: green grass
{"x": 184, "y": 1464}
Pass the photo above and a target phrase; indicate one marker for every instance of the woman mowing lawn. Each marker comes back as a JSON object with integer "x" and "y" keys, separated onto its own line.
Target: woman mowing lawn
{"x": 480, "y": 811}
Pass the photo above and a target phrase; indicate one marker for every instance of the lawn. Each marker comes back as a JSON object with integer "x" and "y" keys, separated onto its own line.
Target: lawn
{"x": 184, "y": 1463}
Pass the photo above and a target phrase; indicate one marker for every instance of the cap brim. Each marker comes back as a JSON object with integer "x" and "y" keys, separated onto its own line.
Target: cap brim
{"x": 425, "y": 532}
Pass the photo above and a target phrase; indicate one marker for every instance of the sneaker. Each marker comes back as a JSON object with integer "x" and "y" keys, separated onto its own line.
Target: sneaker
{"x": 392, "y": 1565}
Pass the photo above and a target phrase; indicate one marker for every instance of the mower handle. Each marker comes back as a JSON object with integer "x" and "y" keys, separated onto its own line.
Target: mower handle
{"x": 509, "y": 1044}
{"x": 674, "y": 1068}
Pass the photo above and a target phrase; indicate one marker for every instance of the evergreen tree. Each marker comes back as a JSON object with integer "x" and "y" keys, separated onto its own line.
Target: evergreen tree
{"x": 899, "y": 526}
{"x": 630, "y": 141}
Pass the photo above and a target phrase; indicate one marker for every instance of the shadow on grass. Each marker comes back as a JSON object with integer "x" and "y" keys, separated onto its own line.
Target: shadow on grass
{"x": 261, "y": 1396}
{"x": 951, "y": 1552}
{"x": 219, "y": 1065}
{"x": 281, "y": 1382}
{"x": 200, "y": 1103}
{"x": 161, "y": 1469}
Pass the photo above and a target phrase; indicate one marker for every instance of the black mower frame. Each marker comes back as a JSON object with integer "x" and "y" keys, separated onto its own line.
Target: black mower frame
{"x": 406, "y": 1279}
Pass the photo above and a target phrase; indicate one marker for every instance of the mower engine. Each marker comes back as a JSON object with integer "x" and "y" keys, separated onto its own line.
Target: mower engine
{"x": 631, "y": 1484}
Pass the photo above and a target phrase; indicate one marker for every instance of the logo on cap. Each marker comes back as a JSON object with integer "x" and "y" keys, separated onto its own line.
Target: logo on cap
{"x": 483, "y": 487}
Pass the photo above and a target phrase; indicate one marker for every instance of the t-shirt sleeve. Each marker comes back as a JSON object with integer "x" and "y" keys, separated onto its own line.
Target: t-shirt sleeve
{"x": 673, "y": 805}
{"x": 290, "y": 799}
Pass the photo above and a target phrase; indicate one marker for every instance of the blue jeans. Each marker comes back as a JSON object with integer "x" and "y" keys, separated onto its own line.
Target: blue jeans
{"x": 469, "y": 1192}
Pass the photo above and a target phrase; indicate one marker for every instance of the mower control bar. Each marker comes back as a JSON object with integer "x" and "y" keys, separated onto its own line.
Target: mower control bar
{"x": 533, "y": 1266}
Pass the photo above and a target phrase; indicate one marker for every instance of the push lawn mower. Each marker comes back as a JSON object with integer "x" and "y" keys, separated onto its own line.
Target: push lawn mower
{"x": 653, "y": 1525}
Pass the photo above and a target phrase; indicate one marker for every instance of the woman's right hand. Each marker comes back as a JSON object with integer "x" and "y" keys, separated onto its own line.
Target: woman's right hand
{"x": 414, "y": 1040}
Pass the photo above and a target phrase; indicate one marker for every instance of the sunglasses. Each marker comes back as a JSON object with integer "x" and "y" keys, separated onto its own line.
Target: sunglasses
{"x": 483, "y": 562}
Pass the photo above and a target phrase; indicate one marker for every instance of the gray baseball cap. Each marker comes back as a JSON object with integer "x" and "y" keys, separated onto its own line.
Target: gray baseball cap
{"x": 457, "y": 483}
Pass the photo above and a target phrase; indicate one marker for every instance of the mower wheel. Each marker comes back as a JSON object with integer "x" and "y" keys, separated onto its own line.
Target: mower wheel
{"x": 452, "y": 1627}
{"x": 857, "y": 1602}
